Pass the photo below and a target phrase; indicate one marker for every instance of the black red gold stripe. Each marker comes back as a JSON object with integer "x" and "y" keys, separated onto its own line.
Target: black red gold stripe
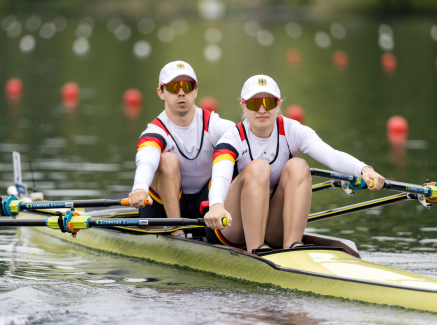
{"x": 153, "y": 140}
{"x": 156, "y": 197}
{"x": 224, "y": 151}
{"x": 224, "y": 241}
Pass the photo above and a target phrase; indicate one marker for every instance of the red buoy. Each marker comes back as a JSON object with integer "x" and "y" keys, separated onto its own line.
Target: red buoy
{"x": 14, "y": 89}
{"x": 70, "y": 94}
{"x": 295, "y": 112}
{"x": 133, "y": 100}
{"x": 389, "y": 62}
{"x": 294, "y": 57}
{"x": 397, "y": 129}
{"x": 209, "y": 104}
{"x": 341, "y": 59}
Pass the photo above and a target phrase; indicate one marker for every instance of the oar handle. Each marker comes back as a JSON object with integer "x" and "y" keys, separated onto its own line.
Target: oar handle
{"x": 125, "y": 202}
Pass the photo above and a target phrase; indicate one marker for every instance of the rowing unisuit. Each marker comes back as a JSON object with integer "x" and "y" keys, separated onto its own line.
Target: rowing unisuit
{"x": 193, "y": 145}
{"x": 240, "y": 146}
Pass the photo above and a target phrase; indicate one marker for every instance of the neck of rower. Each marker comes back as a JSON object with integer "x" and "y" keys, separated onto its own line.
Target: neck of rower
{"x": 180, "y": 117}
{"x": 262, "y": 133}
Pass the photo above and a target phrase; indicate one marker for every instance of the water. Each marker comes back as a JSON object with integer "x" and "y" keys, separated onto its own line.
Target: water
{"x": 58, "y": 282}
{"x": 89, "y": 152}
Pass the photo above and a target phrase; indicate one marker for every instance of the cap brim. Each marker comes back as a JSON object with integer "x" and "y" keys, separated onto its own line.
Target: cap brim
{"x": 257, "y": 91}
{"x": 170, "y": 78}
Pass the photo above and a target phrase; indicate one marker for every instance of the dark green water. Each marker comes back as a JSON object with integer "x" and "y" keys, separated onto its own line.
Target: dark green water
{"x": 90, "y": 152}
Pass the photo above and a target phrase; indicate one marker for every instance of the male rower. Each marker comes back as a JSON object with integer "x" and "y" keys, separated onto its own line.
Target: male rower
{"x": 175, "y": 152}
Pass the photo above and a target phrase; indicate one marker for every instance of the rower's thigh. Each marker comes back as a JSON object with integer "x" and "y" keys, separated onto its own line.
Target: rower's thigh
{"x": 294, "y": 170}
{"x": 168, "y": 167}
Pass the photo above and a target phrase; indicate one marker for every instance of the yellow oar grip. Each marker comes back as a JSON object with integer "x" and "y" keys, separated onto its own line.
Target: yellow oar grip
{"x": 225, "y": 222}
{"x": 125, "y": 202}
{"x": 373, "y": 183}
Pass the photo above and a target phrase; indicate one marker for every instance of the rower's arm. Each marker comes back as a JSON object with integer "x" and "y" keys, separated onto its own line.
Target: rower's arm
{"x": 336, "y": 160}
{"x": 226, "y": 153}
{"x": 150, "y": 146}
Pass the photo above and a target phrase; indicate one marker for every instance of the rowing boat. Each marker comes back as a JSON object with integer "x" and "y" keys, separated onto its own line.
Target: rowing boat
{"x": 325, "y": 265}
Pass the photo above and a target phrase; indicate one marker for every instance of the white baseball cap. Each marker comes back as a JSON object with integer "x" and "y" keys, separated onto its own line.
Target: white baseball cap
{"x": 260, "y": 84}
{"x": 175, "y": 69}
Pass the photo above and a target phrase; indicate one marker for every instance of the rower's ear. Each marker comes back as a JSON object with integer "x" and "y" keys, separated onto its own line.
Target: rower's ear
{"x": 160, "y": 92}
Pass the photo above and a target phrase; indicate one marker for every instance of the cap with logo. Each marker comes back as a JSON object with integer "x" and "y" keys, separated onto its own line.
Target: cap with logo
{"x": 260, "y": 84}
{"x": 175, "y": 69}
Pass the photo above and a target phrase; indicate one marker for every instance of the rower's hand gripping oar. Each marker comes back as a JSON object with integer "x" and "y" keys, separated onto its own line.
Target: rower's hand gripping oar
{"x": 426, "y": 193}
{"x": 11, "y": 205}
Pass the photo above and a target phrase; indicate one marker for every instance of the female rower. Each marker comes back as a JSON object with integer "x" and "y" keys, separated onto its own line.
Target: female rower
{"x": 269, "y": 199}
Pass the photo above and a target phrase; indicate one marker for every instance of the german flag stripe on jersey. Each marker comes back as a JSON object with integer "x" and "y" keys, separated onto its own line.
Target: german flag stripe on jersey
{"x": 156, "y": 197}
{"x": 224, "y": 151}
{"x": 224, "y": 241}
{"x": 152, "y": 139}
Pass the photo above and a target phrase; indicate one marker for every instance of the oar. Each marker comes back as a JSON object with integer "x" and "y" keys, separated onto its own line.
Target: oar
{"x": 12, "y": 206}
{"x": 429, "y": 191}
{"x": 72, "y": 222}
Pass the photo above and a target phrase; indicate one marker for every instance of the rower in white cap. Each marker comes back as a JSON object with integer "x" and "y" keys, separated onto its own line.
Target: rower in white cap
{"x": 269, "y": 199}
{"x": 175, "y": 152}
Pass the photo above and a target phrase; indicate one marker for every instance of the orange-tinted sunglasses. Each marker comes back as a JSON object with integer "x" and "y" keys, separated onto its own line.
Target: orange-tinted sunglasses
{"x": 174, "y": 86}
{"x": 268, "y": 102}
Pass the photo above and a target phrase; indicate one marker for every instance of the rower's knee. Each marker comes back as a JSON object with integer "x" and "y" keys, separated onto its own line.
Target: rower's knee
{"x": 168, "y": 164}
{"x": 257, "y": 171}
{"x": 297, "y": 169}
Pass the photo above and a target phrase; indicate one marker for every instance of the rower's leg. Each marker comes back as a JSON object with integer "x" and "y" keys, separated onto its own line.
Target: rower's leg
{"x": 167, "y": 184}
{"x": 290, "y": 205}
{"x": 248, "y": 203}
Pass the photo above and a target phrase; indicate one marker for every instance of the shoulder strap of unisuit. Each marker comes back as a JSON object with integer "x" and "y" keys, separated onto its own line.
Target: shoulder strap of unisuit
{"x": 281, "y": 125}
{"x": 158, "y": 123}
{"x": 206, "y": 117}
{"x": 282, "y": 132}
{"x": 243, "y": 137}
{"x": 240, "y": 129}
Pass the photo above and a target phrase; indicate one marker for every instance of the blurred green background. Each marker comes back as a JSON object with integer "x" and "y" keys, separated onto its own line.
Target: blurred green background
{"x": 107, "y": 47}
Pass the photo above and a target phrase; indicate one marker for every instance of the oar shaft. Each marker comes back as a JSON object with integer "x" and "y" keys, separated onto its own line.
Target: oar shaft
{"x": 111, "y": 222}
{"x": 23, "y": 223}
{"x": 389, "y": 185}
{"x": 360, "y": 206}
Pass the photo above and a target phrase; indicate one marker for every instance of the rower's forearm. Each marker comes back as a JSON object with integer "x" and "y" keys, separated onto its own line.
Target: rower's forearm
{"x": 147, "y": 161}
{"x": 220, "y": 182}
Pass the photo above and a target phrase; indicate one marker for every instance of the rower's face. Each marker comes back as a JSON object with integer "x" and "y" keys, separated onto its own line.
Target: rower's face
{"x": 261, "y": 119}
{"x": 181, "y": 102}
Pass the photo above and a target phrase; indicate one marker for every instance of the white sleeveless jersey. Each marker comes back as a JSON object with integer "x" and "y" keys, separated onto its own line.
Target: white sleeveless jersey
{"x": 239, "y": 146}
{"x": 193, "y": 145}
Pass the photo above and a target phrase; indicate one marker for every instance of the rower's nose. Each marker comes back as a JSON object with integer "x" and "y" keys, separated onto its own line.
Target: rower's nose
{"x": 261, "y": 109}
{"x": 181, "y": 91}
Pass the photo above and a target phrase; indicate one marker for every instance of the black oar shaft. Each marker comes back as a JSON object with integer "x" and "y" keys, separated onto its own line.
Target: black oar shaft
{"x": 111, "y": 222}
{"x": 23, "y": 223}
{"x": 389, "y": 185}
{"x": 69, "y": 204}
